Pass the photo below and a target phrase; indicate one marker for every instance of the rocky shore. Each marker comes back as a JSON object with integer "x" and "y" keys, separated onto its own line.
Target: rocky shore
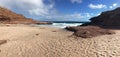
{"x": 108, "y": 18}
{"x": 106, "y": 21}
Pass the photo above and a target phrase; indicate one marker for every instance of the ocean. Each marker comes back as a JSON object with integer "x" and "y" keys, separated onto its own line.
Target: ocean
{"x": 63, "y": 24}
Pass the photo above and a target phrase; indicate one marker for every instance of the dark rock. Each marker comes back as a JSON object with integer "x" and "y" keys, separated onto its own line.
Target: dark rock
{"x": 74, "y": 29}
{"x": 89, "y": 31}
{"x": 107, "y": 18}
{"x": 99, "y": 25}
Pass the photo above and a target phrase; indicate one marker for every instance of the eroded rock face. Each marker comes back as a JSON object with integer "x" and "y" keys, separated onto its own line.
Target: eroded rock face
{"x": 9, "y": 17}
{"x": 108, "y": 18}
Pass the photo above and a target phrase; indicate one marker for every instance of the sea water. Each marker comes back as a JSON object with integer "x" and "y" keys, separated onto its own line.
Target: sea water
{"x": 61, "y": 25}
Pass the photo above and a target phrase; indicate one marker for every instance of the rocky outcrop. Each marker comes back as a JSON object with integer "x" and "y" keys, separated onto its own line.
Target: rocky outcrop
{"x": 89, "y": 31}
{"x": 99, "y": 25}
{"x": 107, "y": 18}
{"x": 9, "y": 17}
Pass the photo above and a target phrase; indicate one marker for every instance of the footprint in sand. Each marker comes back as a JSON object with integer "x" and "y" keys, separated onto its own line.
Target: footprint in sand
{"x": 54, "y": 31}
{"x": 2, "y": 42}
{"x": 37, "y": 34}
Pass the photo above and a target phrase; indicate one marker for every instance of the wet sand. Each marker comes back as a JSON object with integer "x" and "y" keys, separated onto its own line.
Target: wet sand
{"x": 28, "y": 41}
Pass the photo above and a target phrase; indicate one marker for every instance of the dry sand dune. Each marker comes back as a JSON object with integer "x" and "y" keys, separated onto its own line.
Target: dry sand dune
{"x": 25, "y": 41}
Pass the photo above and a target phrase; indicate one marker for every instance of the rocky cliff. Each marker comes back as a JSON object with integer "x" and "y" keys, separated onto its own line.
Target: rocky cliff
{"x": 99, "y": 25}
{"x": 107, "y": 18}
{"x": 9, "y": 17}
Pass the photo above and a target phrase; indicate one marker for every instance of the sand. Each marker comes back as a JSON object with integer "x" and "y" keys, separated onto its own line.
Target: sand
{"x": 29, "y": 41}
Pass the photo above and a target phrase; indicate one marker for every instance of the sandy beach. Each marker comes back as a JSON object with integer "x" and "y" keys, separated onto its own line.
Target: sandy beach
{"x": 30, "y": 41}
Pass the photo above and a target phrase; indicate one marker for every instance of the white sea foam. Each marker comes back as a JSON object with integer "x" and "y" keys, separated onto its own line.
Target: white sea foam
{"x": 62, "y": 25}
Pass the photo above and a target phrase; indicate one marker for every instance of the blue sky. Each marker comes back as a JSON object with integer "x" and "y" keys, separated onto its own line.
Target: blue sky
{"x": 60, "y": 10}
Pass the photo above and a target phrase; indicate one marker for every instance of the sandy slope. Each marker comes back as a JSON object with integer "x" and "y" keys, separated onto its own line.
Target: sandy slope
{"x": 25, "y": 41}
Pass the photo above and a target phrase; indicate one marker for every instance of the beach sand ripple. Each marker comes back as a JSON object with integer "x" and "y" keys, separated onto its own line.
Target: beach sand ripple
{"x": 53, "y": 42}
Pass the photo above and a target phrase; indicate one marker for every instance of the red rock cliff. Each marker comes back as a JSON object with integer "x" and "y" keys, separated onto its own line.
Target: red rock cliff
{"x": 9, "y": 17}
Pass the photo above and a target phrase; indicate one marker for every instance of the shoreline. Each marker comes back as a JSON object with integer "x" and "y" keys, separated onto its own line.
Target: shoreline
{"x": 60, "y": 25}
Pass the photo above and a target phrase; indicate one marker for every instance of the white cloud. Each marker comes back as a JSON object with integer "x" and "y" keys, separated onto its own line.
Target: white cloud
{"x": 113, "y": 5}
{"x": 36, "y": 7}
{"x": 97, "y": 6}
{"x": 73, "y": 16}
{"x": 65, "y": 17}
{"x": 39, "y": 9}
{"x": 76, "y": 1}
